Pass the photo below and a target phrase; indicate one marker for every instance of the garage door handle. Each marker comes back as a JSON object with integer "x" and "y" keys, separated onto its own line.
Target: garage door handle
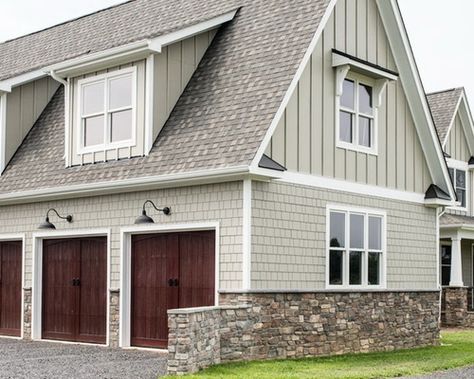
{"x": 176, "y": 282}
{"x": 170, "y": 282}
{"x": 76, "y": 282}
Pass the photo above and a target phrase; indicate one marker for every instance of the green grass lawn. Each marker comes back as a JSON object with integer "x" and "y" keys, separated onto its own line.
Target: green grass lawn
{"x": 457, "y": 350}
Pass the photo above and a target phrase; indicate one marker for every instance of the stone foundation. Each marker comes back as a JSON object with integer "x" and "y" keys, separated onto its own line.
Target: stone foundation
{"x": 249, "y": 326}
{"x": 114, "y": 318}
{"x": 455, "y": 308}
{"x": 27, "y": 300}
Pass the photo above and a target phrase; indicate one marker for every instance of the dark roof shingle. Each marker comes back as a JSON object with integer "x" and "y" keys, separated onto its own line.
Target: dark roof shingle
{"x": 443, "y": 107}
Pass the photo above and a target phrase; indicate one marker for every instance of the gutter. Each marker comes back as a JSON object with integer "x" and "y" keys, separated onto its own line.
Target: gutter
{"x": 130, "y": 185}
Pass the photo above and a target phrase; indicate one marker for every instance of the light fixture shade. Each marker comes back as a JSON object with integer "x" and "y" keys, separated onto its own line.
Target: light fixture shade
{"x": 144, "y": 219}
{"x": 46, "y": 224}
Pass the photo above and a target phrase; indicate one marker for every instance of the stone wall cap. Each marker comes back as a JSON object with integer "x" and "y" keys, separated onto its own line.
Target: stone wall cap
{"x": 342, "y": 290}
{"x": 186, "y": 311}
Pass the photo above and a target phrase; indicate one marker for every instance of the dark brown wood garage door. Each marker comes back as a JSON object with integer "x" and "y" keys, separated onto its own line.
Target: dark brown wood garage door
{"x": 75, "y": 289}
{"x": 10, "y": 288}
{"x": 169, "y": 270}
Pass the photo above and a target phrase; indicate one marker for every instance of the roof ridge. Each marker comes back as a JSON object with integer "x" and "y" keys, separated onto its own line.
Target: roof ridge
{"x": 123, "y": 2}
{"x": 445, "y": 91}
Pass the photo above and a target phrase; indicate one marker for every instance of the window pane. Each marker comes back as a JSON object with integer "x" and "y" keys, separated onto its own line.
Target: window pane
{"x": 451, "y": 174}
{"x": 121, "y": 126}
{"x": 345, "y": 127}
{"x": 337, "y": 229}
{"x": 347, "y": 98}
{"x": 94, "y": 131}
{"x": 335, "y": 267}
{"x": 365, "y": 99}
{"x": 357, "y": 231}
{"x": 460, "y": 179}
{"x": 355, "y": 268}
{"x": 374, "y": 269}
{"x": 375, "y": 233}
{"x": 365, "y": 126}
{"x": 461, "y": 197}
{"x": 92, "y": 98}
{"x": 120, "y": 92}
{"x": 446, "y": 255}
{"x": 445, "y": 275}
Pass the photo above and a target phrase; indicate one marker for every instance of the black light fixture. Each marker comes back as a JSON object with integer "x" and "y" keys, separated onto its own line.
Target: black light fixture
{"x": 48, "y": 225}
{"x": 145, "y": 219}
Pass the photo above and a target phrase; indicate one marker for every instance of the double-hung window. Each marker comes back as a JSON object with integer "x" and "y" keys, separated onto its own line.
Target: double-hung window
{"x": 357, "y": 129}
{"x": 355, "y": 248}
{"x": 107, "y": 110}
{"x": 458, "y": 177}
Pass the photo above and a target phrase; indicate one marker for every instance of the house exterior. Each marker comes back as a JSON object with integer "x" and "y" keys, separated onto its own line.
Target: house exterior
{"x": 455, "y": 127}
{"x": 292, "y": 159}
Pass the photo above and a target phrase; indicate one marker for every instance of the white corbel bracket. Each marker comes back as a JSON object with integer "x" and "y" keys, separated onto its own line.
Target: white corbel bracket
{"x": 341, "y": 73}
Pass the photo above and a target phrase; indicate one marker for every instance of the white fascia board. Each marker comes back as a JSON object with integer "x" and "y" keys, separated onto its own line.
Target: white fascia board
{"x": 437, "y": 203}
{"x": 340, "y": 60}
{"x": 127, "y": 185}
{"x": 293, "y": 85}
{"x": 136, "y": 50}
{"x": 7, "y": 84}
{"x": 411, "y": 82}
{"x": 465, "y": 115}
{"x": 451, "y": 123}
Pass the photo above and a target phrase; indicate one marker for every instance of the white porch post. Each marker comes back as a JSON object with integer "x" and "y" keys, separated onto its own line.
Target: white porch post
{"x": 456, "y": 263}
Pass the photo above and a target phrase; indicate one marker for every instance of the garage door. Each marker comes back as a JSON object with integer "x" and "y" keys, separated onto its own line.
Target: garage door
{"x": 169, "y": 270}
{"x": 10, "y": 288}
{"x": 74, "y": 298}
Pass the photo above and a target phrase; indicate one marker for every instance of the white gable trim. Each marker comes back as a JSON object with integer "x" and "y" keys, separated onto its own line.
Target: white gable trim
{"x": 451, "y": 123}
{"x": 411, "y": 82}
{"x": 293, "y": 85}
{"x": 466, "y": 120}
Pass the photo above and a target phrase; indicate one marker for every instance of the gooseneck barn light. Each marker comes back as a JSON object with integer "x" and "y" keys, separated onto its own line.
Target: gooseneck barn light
{"x": 46, "y": 224}
{"x": 145, "y": 219}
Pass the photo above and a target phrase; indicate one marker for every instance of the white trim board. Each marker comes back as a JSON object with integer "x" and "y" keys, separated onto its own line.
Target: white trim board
{"x": 22, "y": 238}
{"x": 126, "y": 260}
{"x": 37, "y": 282}
{"x": 247, "y": 234}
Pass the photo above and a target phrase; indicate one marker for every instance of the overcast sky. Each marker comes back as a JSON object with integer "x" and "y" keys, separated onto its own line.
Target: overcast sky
{"x": 441, "y": 35}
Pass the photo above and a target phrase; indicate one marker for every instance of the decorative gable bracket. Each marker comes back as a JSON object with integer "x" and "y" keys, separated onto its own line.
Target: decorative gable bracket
{"x": 344, "y": 63}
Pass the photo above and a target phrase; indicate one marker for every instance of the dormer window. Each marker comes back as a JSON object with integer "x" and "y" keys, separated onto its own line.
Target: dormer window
{"x": 106, "y": 111}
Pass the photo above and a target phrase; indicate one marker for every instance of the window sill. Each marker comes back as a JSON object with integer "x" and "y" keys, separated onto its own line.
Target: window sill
{"x": 357, "y": 149}
{"x": 101, "y": 148}
{"x": 354, "y": 288}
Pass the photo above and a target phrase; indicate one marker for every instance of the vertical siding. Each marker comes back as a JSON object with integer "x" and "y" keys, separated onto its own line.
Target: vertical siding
{"x": 456, "y": 144}
{"x": 356, "y": 28}
{"x": 24, "y": 105}
{"x": 173, "y": 69}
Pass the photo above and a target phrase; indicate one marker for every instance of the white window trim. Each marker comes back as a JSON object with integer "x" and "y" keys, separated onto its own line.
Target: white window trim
{"x": 383, "y": 263}
{"x": 81, "y": 149}
{"x": 461, "y": 166}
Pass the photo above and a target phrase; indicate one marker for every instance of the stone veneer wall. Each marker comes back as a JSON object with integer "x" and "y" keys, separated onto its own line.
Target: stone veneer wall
{"x": 249, "y": 326}
{"x": 455, "y": 305}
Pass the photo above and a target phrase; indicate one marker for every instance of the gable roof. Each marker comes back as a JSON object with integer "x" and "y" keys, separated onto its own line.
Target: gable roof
{"x": 112, "y": 27}
{"x": 444, "y": 106}
{"x": 223, "y": 114}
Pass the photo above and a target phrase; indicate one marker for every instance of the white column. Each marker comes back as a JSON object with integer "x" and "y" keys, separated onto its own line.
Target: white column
{"x": 456, "y": 263}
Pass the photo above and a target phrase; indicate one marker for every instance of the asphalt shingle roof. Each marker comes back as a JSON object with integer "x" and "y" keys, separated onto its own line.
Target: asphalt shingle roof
{"x": 452, "y": 219}
{"x": 443, "y": 108}
{"x": 223, "y": 114}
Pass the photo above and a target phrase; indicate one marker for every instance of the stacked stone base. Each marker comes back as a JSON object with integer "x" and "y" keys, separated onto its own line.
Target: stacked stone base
{"x": 455, "y": 308}
{"x": 250, "y": 326}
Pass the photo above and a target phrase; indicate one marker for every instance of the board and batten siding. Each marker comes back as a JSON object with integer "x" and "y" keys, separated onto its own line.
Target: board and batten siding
{"x": 456, "y": 143}
{"x": 220, "y": 203}
{"x": 24, "y": 105}
{"x": 289, "y": 237}
{"x": 172, "y": 70}
{"x": 305, "y": 138}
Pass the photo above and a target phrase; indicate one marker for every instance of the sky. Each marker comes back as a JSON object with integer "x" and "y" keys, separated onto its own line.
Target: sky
{"x": 441, "y": 35}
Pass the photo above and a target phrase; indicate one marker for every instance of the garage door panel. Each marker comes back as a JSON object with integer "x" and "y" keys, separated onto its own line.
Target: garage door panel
{"x": 10, "y": 287}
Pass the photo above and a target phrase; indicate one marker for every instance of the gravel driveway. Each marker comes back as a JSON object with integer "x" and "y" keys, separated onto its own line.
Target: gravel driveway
{"x": 21, "y": 359}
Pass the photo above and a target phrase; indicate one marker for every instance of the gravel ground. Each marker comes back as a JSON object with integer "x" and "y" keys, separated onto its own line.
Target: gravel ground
{"x": 462, "y": 373}
{"x": 21, "y": 359}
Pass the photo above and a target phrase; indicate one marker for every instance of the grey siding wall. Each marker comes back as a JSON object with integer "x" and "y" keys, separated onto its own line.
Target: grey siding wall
{"x": 218, "y": 202}
{"x": 172, "y": 72}
{"x": 456, "y": 144}
{"x": 467, "y": 264}
{"x": 289, "y": 234}
{"x": 24, "y": 105}
{"x": 305, "y": 139}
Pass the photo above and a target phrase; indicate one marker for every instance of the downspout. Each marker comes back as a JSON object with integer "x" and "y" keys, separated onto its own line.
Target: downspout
{"x": 3, "y": 129}
{"x": 65, "y": 83}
